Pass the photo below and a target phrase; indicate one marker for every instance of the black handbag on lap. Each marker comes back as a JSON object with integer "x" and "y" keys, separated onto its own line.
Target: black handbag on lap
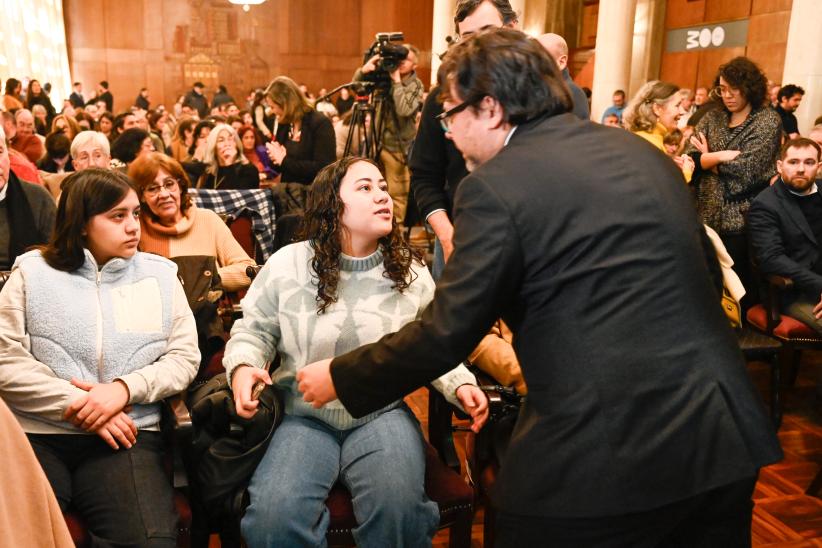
{"x": 227, "y": 448}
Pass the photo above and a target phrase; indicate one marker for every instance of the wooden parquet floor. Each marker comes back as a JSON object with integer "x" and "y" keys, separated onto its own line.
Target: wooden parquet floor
{"x": 783, "y": 515}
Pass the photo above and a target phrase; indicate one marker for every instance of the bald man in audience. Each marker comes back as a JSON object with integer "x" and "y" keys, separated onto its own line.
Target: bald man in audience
{"x": 26, "y": 212}
{"x": 556, "y": 46}
{"x": 26, "y": 140}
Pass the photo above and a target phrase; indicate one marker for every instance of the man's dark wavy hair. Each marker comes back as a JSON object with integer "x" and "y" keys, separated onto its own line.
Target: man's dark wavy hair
{"x": 509, "y": 66}
{"x": 744, "y": 74}
{"x": 323, "y": 228}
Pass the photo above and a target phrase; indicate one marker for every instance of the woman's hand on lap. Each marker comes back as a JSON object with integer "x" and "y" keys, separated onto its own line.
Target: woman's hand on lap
{"x": 103, "y": 401}
{"x": 120, "y": 428}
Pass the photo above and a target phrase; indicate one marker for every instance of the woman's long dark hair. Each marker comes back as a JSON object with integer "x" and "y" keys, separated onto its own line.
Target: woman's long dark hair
{"x": 85, "y": 194}
{"x": 323, "y": 228}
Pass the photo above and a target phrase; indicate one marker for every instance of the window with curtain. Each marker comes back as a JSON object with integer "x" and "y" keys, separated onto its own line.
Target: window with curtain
{"x": 33, "y": 45}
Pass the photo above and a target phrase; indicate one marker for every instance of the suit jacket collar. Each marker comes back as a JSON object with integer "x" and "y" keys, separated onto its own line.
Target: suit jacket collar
{"x": 548, "y": 121}
{"x": 788, "y": 202}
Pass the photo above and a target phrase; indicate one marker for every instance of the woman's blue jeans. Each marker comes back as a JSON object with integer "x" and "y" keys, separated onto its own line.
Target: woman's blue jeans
{"x": 382, "y": 463}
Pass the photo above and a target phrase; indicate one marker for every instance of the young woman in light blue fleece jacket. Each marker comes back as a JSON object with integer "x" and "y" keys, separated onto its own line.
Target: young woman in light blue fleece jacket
{"x": 352, "y": 281}
{"x": 93, "y": 334}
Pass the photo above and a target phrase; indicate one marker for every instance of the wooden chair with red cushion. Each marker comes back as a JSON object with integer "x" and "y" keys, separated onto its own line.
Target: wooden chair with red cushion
{"x": 794, "y": 335}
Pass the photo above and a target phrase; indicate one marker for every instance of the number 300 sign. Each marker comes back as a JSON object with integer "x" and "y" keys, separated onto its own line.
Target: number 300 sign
{"x": 705, "y": 38}
{"x": 728, "y": 34}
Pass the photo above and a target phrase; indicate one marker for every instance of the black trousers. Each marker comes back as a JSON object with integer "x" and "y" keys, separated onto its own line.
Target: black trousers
{"x": 719, "y": 518}
{"x": 125, "y": 497}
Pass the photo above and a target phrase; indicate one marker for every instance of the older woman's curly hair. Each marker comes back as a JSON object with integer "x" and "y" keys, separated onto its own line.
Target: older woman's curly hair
{"x": 323, "y": 228}
{"x": 744, "y": 74}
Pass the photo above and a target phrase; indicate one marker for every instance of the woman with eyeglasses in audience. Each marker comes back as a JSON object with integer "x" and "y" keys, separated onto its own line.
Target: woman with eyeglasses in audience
{"x": 351, "y": 281}
{"x": 304, "y": 141}
{"x": 173, "y": 226}
{"x": 226, "y": 165}
{"x": 735, "y": 149}
{"x": 93, "y": 335}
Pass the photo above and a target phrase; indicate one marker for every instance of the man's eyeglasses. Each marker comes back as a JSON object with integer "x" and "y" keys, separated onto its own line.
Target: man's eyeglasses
{"x": 446, "y": 115}
{"x": 169, "y": 185}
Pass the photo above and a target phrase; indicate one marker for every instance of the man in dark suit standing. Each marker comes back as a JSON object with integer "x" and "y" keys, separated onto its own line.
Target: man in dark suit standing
{"x": 76, "y": 98}
{"x": 641, "y": 426}
{"x": 785, "y": 228}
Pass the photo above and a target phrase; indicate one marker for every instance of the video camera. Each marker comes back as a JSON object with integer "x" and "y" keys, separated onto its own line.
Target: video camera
{"x": 391, "y": 55}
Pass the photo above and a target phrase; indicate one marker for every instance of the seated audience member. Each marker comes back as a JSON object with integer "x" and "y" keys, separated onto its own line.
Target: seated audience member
{"x": 816, "y": 134}
{"x": 785, "y": 228}
{"x": 617, "y": 107}
{"x": 351, "y": 281}
{"x": 25, "y": 140}
{"x": 262, "y": 122}
{"x": 90, "y": 149}
{"x": 611, "y": 120}
{"x": 344, "y": 101}
{"x": 157, "y": 122}
{"x": 255, "y": 152}
{"x": 67, "y": 125}
{"x": 84, "y": 121}
{"x": 35, "y": 95}
{"x": 82, "y": 393}
{"x": 226, "y": 165}
{"x": 653, "y": 113}
{"x": 105, "y": 125}
{"x": 41, "y": 124}
{"x": 183, "y": 139}
{"x": 26, "y": 212}
{"x": 122, "y": 122}
{"x": 304, "y": 139}
{"x": 194, "y": 163}
{"x": 34, "y": 518}
{"x": 24, "y": 168}
{"x": 11, "y": 98}
{"x": 173, "y": 226}
{"x": 673, "y": 143}
{"x": 58, "y": 157}
{"x": 130, "y": 145}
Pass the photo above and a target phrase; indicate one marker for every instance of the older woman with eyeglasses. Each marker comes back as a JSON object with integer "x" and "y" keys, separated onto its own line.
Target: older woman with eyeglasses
{"x": 172, "y": 226}
{"x": 735, "y": 149}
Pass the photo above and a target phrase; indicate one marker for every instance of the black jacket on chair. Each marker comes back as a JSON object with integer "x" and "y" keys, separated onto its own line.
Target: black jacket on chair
{"x": 584, "y": 240}
{"x": 783, "y": 241}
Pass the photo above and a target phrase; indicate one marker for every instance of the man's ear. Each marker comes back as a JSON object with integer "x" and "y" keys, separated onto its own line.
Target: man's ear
{"x": 493, "y": 111}
{"x": 779, "y": 166}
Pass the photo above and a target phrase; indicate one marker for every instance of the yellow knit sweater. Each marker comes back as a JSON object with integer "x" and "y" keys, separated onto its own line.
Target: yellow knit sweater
{"x": 199, "y": 232}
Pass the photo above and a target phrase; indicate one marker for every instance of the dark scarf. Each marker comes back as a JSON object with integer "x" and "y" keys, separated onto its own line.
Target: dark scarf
{"x": 23, "y": 231}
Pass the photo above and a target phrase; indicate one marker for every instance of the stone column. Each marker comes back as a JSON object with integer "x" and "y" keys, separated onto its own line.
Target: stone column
{"x": 612, "y": 65}
{"x": 443, "y": 26}
{"x": 803, "y": 60}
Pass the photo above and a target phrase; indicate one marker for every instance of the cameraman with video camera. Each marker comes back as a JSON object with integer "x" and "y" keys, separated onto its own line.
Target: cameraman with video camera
{"x": 400, "y": 105}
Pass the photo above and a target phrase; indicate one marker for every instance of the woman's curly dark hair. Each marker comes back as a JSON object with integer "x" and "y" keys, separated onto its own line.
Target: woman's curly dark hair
{"x": 323, "y": 228}
{"x": 744, "y": 74}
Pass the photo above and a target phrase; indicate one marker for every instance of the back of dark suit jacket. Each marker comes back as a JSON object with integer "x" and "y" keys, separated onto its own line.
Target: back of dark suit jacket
{"x": 583, "y": 238}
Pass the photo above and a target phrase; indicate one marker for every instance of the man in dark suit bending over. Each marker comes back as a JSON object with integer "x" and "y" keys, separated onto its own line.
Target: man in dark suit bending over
{"x": 641, "y": 427}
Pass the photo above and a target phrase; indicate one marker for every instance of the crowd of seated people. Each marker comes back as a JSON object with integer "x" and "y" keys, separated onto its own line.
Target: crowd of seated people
{"x": 100, "y": 192}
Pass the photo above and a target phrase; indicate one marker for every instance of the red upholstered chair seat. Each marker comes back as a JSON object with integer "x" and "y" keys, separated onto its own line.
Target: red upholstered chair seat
{"x": 788, "y": 328}
{"x": 442, "y": 485}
